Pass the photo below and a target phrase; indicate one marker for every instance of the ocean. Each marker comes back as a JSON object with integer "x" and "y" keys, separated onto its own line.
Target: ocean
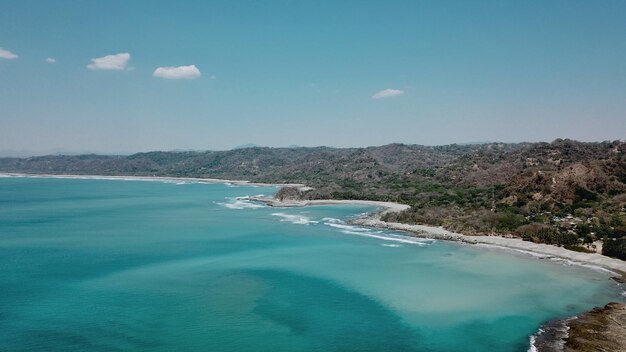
{"x": 129, "y": 265}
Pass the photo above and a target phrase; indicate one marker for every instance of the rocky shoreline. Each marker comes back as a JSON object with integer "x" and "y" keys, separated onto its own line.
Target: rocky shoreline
{"x": 551, "y": 336}
{"x": 600, "y": 329}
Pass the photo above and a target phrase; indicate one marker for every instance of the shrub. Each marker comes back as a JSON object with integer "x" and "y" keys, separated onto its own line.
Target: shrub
{"x": 615, "y": 247}
{"x": 542, "y": 233}
{"x": 508, "y": 221}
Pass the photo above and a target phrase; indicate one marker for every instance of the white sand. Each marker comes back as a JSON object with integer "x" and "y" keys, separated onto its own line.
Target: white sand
{"x": 151, "y": 178}
{"x": 539, "y": 250}
{"x": 536, "y": 249}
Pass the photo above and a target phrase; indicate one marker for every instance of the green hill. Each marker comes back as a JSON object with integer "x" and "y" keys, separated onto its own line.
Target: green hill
{"x": 565, "y": 192}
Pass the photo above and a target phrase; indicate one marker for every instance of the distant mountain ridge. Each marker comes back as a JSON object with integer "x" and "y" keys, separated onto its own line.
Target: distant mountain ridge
{"x": 248, "y": 145}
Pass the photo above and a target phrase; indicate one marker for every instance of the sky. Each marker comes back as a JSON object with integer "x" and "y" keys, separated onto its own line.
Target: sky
{"x": 130, "y": 76}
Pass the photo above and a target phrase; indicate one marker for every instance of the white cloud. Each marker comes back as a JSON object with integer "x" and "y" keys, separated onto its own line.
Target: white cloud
{"x": 110, "y": 62}
{"x": 177, "y": 72}
{"x": 5, "y": 54}
{"x": 51, "y": 60}
{"x": 386, "y": 93}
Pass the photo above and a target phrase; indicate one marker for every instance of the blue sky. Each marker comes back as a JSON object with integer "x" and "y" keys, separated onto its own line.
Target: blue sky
{"x": 278, "y": 73}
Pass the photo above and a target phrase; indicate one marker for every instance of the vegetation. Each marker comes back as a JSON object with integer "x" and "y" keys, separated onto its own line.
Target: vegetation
{"x": 565, "y": 193}
{"x": 615, "y": 247}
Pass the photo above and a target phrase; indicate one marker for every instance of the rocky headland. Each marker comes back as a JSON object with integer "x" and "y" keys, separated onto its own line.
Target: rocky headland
{"x": 601, "y": 329}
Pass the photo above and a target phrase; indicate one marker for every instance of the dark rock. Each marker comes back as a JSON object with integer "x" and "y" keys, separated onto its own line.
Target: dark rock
{"x": 600, "y": 329}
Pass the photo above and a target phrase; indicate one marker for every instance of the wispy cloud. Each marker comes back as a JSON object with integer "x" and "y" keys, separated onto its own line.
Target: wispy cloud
{"x": 5, "y": 54}
{"x": 177, "y": 72}
{"x": 110, "y": 62}
{"x": 51, "y": 60}
{"x": 387, "y": 93}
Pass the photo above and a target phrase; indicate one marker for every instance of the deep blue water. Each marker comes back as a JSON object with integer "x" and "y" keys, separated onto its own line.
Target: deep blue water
{"x": 104, "y": 265}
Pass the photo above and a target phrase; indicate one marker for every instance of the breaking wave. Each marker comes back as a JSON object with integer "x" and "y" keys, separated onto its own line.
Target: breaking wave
{"x": 241, "y": 203}
{"x": 550, "y": 336}
{"x": 374, "y": 233}
{"x": 295, "y": 219}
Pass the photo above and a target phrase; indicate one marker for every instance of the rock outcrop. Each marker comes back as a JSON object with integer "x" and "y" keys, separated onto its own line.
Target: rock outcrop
{"x": 598, "y": 330}
{"x": 290, "y": 193}
{"x": 601, "y": 329}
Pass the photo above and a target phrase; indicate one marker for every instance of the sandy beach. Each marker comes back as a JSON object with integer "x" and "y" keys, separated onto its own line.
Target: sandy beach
{"x": 536, "y": 249}
{"x": 152, "y": 178}
{"x": 539, "y": 250}
{"x": 388, "y": 206}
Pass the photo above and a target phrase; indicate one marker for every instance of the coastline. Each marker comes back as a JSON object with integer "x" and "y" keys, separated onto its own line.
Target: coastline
{"x": 540, "y": 250}
{"x": 551, "y": 336}
{"x": 614, "y": 266}
{"x": 544, "y": 251}
{"x": 598, "y": 328}
{"x": 150, "y": 178}
{"x": 273, "y": 202}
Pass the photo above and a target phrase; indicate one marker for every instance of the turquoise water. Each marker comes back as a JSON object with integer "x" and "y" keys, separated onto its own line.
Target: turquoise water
{"x": 103, "y": 265}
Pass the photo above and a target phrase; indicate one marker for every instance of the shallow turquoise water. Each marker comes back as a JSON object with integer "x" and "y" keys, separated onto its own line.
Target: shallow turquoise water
{"x": 102, "y": 265}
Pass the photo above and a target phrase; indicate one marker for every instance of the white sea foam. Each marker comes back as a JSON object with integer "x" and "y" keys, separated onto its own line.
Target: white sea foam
{"x": 295, "y": 219}
{"x": 347, "y": 227}
{"x": 532, "y": 347}
{"x": 333, "y": 220}
{"x": 557, "y": 332}
{"x": 241, "y": 203}
{"x": 391, "y": 245}
{"x": 369, "y": 232}
{"x": 569, "y": 262}
{"x": 387, "y": 237}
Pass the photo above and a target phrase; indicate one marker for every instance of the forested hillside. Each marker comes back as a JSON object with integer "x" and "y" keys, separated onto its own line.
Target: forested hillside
{"x": 565, "y": 192}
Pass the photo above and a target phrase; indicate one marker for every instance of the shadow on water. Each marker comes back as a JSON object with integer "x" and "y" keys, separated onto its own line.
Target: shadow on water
{"x": 329, "y": 316}
{"x": 242, "y": 310}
